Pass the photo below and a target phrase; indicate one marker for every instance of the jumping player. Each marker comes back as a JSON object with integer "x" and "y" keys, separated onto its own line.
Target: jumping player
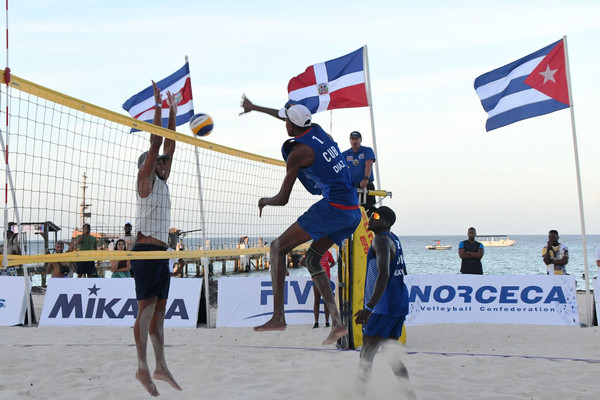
{"x": 316, "y": 160}
{"x": 152, "y": 277}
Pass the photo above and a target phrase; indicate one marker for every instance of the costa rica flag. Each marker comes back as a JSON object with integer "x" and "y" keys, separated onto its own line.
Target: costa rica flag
{"x": 338, "y": 83}
{"x": 531, "y": 86}
{"x": 141, "y": 105}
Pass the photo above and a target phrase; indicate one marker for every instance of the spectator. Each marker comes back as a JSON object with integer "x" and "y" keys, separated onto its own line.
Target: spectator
{"x": 471, "y": 253}
{"x": 360, "y": 160}
{"x": 85, "y": 242}
{"x": 120, "y": 268}
{"x": 178, "y": 268}
{"x": 557, "y": 257}
{"x": 128, "y": 237}
{"x": 59, "y": 269}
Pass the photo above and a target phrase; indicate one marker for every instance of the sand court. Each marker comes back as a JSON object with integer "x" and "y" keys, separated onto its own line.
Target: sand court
{"x": 445, "y": 361}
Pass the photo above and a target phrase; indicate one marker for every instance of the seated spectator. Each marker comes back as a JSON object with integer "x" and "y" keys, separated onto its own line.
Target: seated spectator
{"x": 59, "y": 269}
{"x": 120, "y": 268}
{"x": 178, "y": 268}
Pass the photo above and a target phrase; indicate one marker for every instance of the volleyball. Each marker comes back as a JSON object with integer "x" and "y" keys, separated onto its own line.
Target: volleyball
{"x": 201, "y": 124}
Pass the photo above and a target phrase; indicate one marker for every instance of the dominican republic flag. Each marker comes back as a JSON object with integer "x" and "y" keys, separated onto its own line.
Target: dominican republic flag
{"x": 338, "y": 83}
{"x": 141, "y": 105}
{"x": 534, "y": 85}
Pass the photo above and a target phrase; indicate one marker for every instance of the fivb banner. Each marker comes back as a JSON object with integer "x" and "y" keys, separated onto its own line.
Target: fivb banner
{"x": 494, "y": 299}
{"x": 13, "y": 302}
{"x": 112, "y": 302}
{"x": 248, "y": 301}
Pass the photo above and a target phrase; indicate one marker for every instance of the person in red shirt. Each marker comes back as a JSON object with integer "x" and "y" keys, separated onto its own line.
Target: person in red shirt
{"x": 326, "y": 262}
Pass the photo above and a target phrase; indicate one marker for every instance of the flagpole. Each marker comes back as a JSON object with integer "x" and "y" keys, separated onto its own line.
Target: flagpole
{"x": 368, "y": 86}
{"x": 581, "y": 215}
{"x": 203, "y": 261}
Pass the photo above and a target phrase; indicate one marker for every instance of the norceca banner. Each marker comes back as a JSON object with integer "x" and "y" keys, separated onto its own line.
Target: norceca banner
{"x": 13, "y": 302}
{"x": 112, "y": 302}
{"x": 494, "y": 299}
{"x": 248, "y": 301}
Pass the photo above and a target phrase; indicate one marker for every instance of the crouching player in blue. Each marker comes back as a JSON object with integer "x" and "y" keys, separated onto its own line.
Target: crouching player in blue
{"x": 315, "y": 159}
{"x": 386, "y": 299}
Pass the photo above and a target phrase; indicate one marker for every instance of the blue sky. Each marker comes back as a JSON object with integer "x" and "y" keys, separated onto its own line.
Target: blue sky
{"x": 446, "y": 173}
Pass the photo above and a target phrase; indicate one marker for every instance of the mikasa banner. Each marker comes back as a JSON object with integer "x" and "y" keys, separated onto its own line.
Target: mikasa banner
{"x": 494, "y": 299}
{"x": 111, "y": 302}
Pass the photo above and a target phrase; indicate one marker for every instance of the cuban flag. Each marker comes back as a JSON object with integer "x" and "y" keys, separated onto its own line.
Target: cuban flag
{"x": 338, "y": 83}
{"x": 534, "y": 85}
{"x": 141, "y": 105}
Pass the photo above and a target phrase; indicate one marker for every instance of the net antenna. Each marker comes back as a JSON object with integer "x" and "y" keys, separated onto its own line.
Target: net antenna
{"x": 9, "y": 181}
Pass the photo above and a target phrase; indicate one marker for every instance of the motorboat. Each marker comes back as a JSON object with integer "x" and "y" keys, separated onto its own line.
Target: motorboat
{"x": 438, "y": 246}
{"x": 495, "y": 240}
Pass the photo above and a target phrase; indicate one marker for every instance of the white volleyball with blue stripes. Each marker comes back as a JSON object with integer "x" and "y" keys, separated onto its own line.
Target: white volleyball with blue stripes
{"x": 201, "y": 124}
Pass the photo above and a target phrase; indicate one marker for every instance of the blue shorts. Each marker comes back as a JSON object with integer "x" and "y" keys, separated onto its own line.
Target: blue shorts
{"x": 85, "y": 267}
{"x": 384, "y": 326}
{"x": 324, "y": 220}
{"x": 152, "y": 277}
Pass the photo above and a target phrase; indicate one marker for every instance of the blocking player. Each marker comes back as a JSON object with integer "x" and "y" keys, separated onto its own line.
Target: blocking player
{"x": 152, "y": 277}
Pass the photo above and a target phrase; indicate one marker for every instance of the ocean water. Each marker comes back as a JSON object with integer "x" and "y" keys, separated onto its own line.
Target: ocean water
{"x": 524, "y": 258}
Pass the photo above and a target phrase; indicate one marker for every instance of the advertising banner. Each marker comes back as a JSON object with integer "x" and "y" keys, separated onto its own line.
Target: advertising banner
{"x": 112, "y": 302}
{"x": 12, "y": 300}
{"x": 248, "y": 301}
{"x": 361, "y": 241}
{"x": 493, "y": 299}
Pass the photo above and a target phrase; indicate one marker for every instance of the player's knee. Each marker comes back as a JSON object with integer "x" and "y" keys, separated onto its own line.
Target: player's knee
{"x": 313, "y": 262}
{"x": 278, "y": 248}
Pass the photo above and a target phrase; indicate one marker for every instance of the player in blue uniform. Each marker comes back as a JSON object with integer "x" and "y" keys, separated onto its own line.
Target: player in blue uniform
{"x": 386, "y": 298}
{"x": 315, "y": 159}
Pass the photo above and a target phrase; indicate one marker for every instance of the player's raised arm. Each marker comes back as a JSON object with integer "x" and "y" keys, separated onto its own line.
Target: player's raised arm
{"x": 248, "y": 106}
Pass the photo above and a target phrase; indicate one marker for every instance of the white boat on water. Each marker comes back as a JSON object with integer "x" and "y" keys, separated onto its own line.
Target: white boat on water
{"x": 438, "y": 246}
{"x": 495, "y": 240}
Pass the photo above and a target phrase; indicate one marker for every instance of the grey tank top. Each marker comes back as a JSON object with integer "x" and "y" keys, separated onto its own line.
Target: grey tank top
{"x": 153, "y": 216}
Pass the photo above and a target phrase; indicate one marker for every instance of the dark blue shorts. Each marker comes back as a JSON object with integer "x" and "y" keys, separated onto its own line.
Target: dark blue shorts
{"x": 324, "y": 220}
{"x": 152, "y": 277}
{"x": 85, "y": 267}
{"x": 384, "y": 326}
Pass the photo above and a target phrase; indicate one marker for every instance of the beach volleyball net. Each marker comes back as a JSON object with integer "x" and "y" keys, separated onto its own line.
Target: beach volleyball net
{"x": 71, "y": 162}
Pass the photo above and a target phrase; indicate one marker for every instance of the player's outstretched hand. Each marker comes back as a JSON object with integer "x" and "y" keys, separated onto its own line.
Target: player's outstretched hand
{"x": 157, "y": 97}
{"x": 246, "y": 104}
{"x": 172, "y": 102}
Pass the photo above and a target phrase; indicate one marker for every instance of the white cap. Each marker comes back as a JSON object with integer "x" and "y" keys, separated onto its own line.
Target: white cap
{"x": 297, "y": 114}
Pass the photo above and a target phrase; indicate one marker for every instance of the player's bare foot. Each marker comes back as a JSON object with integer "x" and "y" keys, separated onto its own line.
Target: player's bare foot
{"x": 165, "y": 375}
{"x": 271, "y": 325}
{"x": 146, "y": 380}
{"x": 337, "y": 331}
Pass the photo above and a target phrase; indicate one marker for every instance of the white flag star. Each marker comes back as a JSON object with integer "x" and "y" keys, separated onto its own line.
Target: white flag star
{"x": 548, "y": 74}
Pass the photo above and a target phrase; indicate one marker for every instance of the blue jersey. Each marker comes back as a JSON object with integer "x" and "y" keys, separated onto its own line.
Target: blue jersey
{"x": 394, "y": 301}
{"x": 356, "y": 163}
{"x": 328, "y": 174}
